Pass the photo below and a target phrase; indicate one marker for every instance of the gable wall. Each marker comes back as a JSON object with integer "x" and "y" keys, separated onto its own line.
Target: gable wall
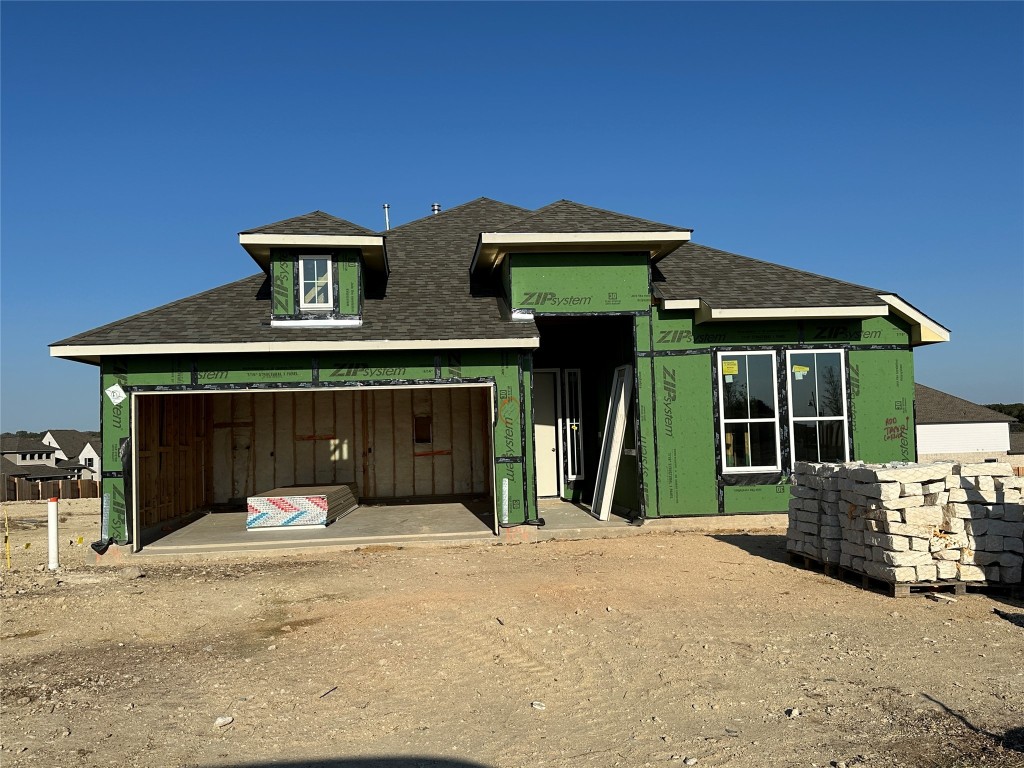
{"x": 572, "y": 283}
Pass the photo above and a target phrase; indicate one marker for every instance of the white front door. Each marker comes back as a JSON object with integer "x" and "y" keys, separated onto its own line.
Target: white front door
{"x": 545, "y": 431}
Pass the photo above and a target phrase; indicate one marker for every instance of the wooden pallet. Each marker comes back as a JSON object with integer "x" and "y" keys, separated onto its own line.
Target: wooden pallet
{"x": 903, "y": 589}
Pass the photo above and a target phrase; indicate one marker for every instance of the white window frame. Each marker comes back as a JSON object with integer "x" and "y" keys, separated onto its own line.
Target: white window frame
{"x": 330, "y": 282}
{"x": 845, "y": 418}
{"x": 723, "y": 421}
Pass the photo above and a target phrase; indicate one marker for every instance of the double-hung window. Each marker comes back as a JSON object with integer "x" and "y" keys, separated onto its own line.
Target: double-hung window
{"x": 750, "y": 412}
{"x": 817, "y": 406}
{"x": 315, "y": 282}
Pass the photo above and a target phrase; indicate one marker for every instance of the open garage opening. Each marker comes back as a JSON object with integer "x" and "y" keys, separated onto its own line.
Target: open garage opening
{"x": 418, "y": 458}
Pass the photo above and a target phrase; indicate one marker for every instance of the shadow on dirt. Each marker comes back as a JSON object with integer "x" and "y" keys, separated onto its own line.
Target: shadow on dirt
{"x": 765, "y": 545}
{"x": 1017, "y": 619}
{"x": 1013, "y": 739}
{"x": 364, "y": 762}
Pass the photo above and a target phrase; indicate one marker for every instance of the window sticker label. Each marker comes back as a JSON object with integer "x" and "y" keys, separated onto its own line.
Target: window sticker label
{"x": 800, "y": 370}
{"x": 116, "y": 394}
{"x": 730, "y": 367}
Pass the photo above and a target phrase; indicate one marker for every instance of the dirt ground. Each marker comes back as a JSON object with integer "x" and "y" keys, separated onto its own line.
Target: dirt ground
{"x": 648, "y": 650}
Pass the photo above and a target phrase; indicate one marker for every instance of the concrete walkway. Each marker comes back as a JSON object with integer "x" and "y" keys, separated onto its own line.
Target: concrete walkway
{"x": 223, "y": 534}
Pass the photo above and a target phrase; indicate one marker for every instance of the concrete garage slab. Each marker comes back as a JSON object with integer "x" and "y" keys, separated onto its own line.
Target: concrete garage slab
{"x": 217, "y": 532}
{"x": 434, "y": 524}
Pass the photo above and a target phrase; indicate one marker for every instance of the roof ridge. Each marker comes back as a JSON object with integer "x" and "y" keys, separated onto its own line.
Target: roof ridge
{"x": 433, "y": 216}
{"x": 317, "y": 212}
{"x": 152, "y": 310}
{"x": 779, "y": 266}
{"x": 617, "y": 213}
{"x": 592, "y": 208}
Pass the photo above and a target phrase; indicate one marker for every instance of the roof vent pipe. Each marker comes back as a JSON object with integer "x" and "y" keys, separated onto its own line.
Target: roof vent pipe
{"x": 435, "y": 208}
{"x": 387, "y": 218}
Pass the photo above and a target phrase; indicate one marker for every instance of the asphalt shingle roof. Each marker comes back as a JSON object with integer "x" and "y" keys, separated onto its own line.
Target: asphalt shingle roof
{"x": 428, "y": 296}
{"x": 36, "y": 471}
{"x": 729, "y": 281}
{"x": 565, "y": 216}
{"x": 313, "y": 223}
{"x": 73, "y": 442}
{"x": 11, "y": 469}
{"x": 933, "y": 406}
{"x": 24, "y": 445}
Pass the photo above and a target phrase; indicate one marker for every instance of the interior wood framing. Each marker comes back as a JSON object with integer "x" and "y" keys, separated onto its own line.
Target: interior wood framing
{"x": 198, "y": 449}
{"x": 172, "y": 456}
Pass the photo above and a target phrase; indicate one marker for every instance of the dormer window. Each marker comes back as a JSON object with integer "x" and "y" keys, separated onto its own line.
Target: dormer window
{"x": 315, "y": 282}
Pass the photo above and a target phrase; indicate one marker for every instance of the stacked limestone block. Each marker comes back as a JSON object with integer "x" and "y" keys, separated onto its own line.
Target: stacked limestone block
{"x": 815, "y": 514}
{"x": 985, "y": 507}
{"x": 910, "y": 522}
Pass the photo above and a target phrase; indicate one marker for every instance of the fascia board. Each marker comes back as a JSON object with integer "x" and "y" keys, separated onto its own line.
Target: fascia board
{"x": 924, "y": 330}
{"x": 491, "y": 246}
{"x": 559, "y": 238}
{"x": 680, "y": 303}
{"x": 312, "y": 241}
{"x": 258, "y": 246}
{"x": 775, "y": 313}
{"x": 87, "y": 351}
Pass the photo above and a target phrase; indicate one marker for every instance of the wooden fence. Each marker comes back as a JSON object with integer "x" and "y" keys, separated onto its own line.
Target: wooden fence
{"x": 20, "y": 489}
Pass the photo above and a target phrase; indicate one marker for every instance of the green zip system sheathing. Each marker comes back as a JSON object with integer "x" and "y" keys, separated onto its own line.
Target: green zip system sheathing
{"x": 282, "y": 270}
{"x": 507, "y": 372}
{"x": 676, "y": 330}
{"x": 882, "y": 405}
{"x": 678, "y": 417}
{"x": 348, "y": 276}
{"x": 685, "y": 429}
{"x": 577, "y": 283}
{"x": 346, "y": 284}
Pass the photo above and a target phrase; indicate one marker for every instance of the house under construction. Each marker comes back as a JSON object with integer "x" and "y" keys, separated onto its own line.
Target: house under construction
{"x": 493, "y": 351}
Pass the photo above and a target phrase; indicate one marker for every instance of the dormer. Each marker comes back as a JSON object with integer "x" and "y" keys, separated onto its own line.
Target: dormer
{"x": 567, "y": 258}
{"x": 319, "y": 267}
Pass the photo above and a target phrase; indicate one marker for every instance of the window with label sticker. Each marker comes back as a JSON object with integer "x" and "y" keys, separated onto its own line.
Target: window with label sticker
{"x": 750, "y": 413}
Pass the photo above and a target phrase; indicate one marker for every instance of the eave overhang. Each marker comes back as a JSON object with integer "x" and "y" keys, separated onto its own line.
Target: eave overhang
{"x": 373, "y": 247}
{"x": 923, "y": 330}
{"x": 92, "y": 353}
{"x": 492, "y": 247}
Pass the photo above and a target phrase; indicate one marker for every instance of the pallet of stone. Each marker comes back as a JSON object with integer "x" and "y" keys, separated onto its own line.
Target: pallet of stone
{"x": 297, "y": 507}
{"x": 902, "y": 589}
{"x": 910, "y": 523}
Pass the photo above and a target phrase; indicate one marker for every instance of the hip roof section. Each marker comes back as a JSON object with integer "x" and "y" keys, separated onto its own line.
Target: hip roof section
{"x": 724, "y": 280}
{"x": 430, "y": 301}
{"x": 932, "y": 406}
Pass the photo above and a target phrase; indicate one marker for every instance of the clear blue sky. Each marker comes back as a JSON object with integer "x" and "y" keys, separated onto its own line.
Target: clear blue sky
{"x": 879, "y": 143}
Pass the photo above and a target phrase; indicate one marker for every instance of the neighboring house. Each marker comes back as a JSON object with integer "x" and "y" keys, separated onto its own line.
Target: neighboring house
{"x": 949, "y": 427}
{"x": 478, "y": 351}
{"x": 37, "y": 471}
{"x": 26, "y": 451}
{"x": 1017, "y": 444}
{"x": 81, "y": 448}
